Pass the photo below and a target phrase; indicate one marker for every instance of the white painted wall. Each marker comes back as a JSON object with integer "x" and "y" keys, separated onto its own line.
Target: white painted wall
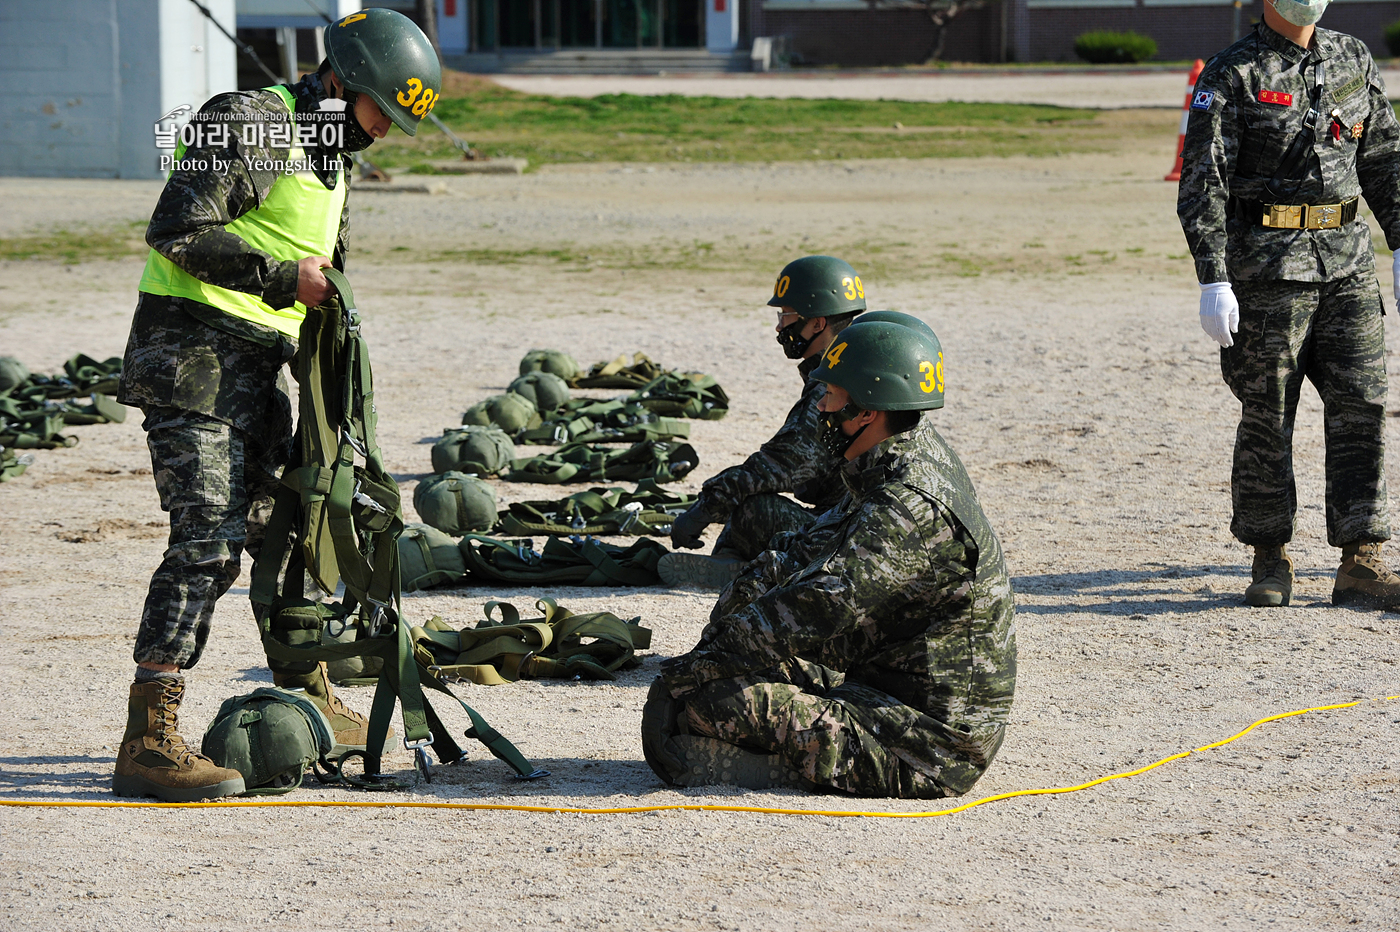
{"x": 722, "y": 25}
{"x": 83, "y": 81}
{"x": 452, "y": 30}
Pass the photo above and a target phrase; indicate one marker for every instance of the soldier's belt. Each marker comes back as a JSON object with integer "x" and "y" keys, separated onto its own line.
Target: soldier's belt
{"x": 1296, "y": 216}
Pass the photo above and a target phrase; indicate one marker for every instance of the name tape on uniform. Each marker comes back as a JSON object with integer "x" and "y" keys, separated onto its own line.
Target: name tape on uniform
{"x": 1276, "y": 97}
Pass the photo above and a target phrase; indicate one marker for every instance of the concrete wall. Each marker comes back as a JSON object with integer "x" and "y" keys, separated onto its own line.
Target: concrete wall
{"x": 83, "y": 81}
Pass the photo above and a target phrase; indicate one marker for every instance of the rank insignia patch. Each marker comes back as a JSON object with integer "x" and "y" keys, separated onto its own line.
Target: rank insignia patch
{"x": 1357, "y": 129}
{"x": 1202, "y": 100}
{"x": 1276, "y": 97}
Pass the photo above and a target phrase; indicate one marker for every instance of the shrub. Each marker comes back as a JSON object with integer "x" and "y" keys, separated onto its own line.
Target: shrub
{"x": 1392, "y": 39}
{"x": 1102, "y": 47}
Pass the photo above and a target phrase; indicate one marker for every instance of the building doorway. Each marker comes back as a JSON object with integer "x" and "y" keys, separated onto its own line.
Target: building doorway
{"x": 575, "y": 24}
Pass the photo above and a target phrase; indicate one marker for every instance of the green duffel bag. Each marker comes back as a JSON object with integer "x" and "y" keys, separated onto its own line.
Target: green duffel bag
{"x": 271, "y": 736}
{"x": 544, "y": 389}
{"x": 428, "y": 558}
{"x": 476, "y": 451}
{"x": 555, "y": 362}
{"x": 510, "y": 412}
{"x": 455, "y": 503}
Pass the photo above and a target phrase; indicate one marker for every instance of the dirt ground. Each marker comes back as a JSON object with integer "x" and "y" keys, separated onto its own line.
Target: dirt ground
{"x": 1089, "y": 409}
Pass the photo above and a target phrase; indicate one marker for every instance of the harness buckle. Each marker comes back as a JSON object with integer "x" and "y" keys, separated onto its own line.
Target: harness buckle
{"x": 376, "y": 620}
{"x": 363, "y": 499}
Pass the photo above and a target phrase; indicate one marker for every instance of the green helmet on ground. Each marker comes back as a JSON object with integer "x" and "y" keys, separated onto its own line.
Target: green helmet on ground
{"x": 12, "y": 373}
{"x": 885, "y": 366}
{"x": 819, "y": 286}
{"x": 383, "y": 54}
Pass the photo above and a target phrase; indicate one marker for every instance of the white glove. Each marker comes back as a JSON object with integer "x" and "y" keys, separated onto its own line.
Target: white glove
{"x": 1395, "y": 275}
{"x": 1220, "y": 312}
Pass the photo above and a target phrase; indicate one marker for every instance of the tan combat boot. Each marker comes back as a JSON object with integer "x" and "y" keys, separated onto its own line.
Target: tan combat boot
{"x": 351, "y": 729}
{"x": 1272, "y": 578}
{"x": 155, "y": 761}
{"x": 1363, "y": 580}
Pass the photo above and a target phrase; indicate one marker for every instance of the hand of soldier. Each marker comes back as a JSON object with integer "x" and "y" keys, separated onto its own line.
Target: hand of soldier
{"x": 1395, "y": 276}
{"x": 687, "y": 528}
{"x": 1220, "y": 312}
{"x": 312, "y": 287}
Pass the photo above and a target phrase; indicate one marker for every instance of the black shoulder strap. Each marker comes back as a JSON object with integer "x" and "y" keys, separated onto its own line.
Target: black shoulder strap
{"x": 1289, "y": 173}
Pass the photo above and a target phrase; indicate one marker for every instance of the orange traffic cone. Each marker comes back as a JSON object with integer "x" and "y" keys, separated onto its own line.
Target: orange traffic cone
{"x": 1196, "y": 69}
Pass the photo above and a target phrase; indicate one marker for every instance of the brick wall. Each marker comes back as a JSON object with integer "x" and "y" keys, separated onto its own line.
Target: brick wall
{"x": 1188, "y": 32}
{"x": 867, "y": 38}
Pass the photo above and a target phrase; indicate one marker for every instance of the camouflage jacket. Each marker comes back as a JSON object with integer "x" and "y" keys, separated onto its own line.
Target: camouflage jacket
{"x": 185, "y": 354}
{"x": 1249, "y": 104}
{"x": 791, "y": 460}
{"x": 187, "y": 226}
{"x": 902, "y": 587}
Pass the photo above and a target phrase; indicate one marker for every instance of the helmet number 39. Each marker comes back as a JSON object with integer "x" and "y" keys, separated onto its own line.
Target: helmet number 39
{"x": 933, "y": 376}
{"x": 424, "y": 103}
{"x": 853, "y": 287}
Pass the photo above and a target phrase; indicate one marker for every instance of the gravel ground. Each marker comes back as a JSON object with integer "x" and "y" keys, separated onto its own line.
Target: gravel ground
{"x": 1089, "y": 410}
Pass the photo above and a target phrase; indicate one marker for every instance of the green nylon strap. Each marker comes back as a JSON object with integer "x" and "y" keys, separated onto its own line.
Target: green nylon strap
{"x": 349, "y": 518}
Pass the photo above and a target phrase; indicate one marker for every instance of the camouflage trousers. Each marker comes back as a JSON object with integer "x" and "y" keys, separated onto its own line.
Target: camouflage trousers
{"x": 834, "y": 733}
{"x": 217, "y": 483}
{"x": 756, "y": 519}
{"x": 1331, "y": 334}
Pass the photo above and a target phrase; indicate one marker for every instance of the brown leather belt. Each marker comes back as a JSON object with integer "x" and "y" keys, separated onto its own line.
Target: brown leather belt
{"x": 1296, "y": 216}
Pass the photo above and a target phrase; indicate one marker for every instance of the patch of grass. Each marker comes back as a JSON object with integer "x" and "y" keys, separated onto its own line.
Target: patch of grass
{"x": 79, "y": 244}
{"x": 671, "y": 128}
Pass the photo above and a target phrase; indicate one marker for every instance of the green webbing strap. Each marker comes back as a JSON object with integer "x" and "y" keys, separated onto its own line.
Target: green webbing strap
{"x": 350, "y": 518}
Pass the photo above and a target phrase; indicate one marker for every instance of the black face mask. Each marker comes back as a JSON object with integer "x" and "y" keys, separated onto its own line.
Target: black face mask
{"x": 356, "y": 139}
{"x": 792, "y": 341}
{"x": 832, "y": 438}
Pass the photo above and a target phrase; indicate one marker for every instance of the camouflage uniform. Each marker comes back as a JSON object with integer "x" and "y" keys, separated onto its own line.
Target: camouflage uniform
{"x": 746, "y": 497}
{"x": 1309, "y": 303}
{"x": 218, "y": 418}
{"x": 877, "y": 654}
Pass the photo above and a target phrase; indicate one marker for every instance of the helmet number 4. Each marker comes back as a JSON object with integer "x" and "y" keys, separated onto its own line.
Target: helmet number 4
{"x": 853, "y": 288}
{"x": 933, "y": 376}
{"x": 424, "y": 103}
{"x": 833, "y": 355}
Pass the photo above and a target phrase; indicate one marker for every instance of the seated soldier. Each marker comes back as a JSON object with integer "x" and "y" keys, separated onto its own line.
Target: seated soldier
{"x": 816, "y": 298}
{"x": 876, "y": 655}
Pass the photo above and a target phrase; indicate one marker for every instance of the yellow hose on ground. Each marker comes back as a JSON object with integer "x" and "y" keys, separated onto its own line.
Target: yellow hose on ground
{"x": 690, "y": 807}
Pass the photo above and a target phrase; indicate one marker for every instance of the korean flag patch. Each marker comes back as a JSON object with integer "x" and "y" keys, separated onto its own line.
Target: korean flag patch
{"x": 1202, "y": 100}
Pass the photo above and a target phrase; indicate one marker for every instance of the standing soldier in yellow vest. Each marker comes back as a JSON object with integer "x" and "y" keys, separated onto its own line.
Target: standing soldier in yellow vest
{"x": 254, "y": 208}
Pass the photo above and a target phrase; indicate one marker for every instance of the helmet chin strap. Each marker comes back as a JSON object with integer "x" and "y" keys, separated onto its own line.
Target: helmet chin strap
{"x": 833, "y": 438}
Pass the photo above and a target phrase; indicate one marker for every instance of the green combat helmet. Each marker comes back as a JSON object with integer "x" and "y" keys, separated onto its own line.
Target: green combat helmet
{"x": 383, "y": 54}
{"x": 901, "y": 318}
{"x": 815, "y": 286}
{"x": 885, "y": 366}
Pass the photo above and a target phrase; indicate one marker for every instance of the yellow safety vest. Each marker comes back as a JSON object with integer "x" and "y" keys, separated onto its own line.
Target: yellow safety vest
{"x": 300, "y": 218}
